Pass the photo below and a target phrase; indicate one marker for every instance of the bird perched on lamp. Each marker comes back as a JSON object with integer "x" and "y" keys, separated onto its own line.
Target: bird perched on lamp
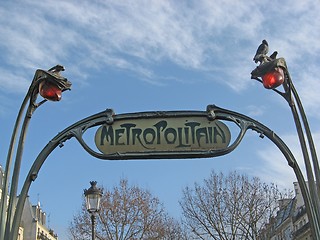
{"x": 261, "y": 54}
{"x": 56, "y": 69}
{"x": 273, "y": 55}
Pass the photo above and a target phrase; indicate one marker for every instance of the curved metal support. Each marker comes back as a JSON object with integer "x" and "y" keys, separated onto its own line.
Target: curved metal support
{"x": 291, "y": 96}
{"x": 31, "y": 98}
{"x": 243, "y": 122}
{"x": 312, "y": 148}
{"x": 7, "y": 211}
{"x": 37, "y": 164}
{"x": 5, "y": 186}
{"x": 16, "y": 172}
{"x": 260, "y": 128}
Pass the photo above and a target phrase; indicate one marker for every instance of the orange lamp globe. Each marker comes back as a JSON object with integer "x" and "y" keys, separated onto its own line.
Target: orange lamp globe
{"x": 50, "y": 91}
{"x": 273, "y": 79}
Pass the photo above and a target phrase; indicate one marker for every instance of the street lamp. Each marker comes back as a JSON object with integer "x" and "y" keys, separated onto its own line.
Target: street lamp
{"x": 49, "y": 84}
{"x": 273, "y": 72}
{"x": 93, "y": 197}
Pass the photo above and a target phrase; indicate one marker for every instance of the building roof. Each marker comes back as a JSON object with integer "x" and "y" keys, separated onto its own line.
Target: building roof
{"x": 284, "y": 213}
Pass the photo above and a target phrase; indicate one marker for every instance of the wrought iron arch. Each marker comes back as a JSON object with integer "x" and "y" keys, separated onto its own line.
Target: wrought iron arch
{"x": 212, "y": 112}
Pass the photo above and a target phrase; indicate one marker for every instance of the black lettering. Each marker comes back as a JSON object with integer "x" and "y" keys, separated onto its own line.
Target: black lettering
{"x": 136, "y": 133}
{"x": 186, "y": 133}
{"x": 192, "y": 125}
{"x": 160, "y": 126}
{"x": 149, "y": 132}
{"x": 219, "y": 134}
{"x": 118, "y": 134}
{"x": 202, "y": 132}
{"x": 180, "y": 138}
{"x": 128, "y": 126}
{"x": 210, "y": 130}
{"x": 170, "y": 131}
{"x": 107, "y": 134}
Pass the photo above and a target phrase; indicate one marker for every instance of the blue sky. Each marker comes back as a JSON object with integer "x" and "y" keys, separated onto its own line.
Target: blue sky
{"x": 135, "y": 56}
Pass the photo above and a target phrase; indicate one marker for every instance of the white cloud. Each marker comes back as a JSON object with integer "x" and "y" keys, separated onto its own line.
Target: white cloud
{"x": 275, "y": 167}
{"x": 218, "y": 38}
{"x": 255, "y": 111}
{"x": 13, "y": 82}
{"x": 307, "y": 84}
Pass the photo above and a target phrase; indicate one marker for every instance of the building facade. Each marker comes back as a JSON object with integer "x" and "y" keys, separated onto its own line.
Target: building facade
{"x": 33, "y": 224}
{"x": 291, "y": 221}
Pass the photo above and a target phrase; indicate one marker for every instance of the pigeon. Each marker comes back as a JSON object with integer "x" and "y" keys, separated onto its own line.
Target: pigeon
{"x": 274, "y": 55}
{"x": 261, "y": 52}
{"x": 56, "y": 69}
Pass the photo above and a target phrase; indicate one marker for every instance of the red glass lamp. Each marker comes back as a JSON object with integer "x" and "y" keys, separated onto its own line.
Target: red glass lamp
{"x": 50, "y": 91}
{"x": 273, "y": 79}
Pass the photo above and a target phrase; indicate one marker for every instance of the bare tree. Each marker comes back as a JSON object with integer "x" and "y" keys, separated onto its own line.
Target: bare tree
{"x": 229, "y": 207}
{"x": 127, "y": 212}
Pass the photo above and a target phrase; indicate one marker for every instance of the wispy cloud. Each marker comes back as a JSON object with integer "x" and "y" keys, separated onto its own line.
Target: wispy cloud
{"x": 218, "y": 38}
{"x": 275, "y": 167}
{"x": 255, "y": 111}
{"x": 13, "y": 81}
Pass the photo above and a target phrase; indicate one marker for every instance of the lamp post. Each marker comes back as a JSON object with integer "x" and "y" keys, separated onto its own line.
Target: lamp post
{"x": 50, "y": 85}
{"x": 93, "y": 197}
{"x": 273, "y": 72}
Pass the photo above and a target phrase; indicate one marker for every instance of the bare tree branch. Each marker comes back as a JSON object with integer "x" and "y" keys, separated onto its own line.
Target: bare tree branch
{"x": 127, "y": 212}
{"x": 229, "y": 207}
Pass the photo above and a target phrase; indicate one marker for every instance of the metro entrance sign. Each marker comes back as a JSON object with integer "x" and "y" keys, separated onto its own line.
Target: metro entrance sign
{"x": 161, "y": 135}
{"x": 201, "y": 133}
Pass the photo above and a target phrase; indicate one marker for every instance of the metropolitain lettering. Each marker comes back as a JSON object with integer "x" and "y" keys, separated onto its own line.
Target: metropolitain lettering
{"x": 190, "y": 134}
